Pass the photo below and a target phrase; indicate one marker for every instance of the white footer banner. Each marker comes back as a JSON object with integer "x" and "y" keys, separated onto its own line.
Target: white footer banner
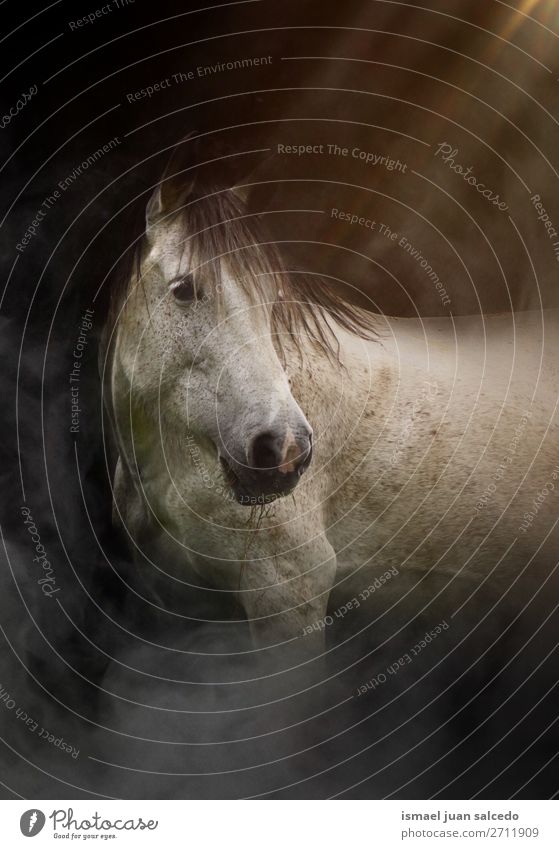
{"x": 280, "y": 824}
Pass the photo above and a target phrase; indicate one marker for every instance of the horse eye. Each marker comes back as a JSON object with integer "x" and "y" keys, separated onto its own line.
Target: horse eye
{"x": 183, "y": 290}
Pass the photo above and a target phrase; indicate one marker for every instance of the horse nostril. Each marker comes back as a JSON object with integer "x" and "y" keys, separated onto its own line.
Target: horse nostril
{"x": 265, "y": 451}
{"x": 283, "y": 452}
{"x": 306, "y": 457}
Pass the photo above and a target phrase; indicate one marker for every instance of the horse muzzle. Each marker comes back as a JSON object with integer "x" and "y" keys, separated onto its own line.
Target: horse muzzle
{"x": 275, "y": 461}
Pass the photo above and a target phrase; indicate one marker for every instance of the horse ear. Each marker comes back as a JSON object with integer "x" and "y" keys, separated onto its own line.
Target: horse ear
{"x": 154, "y": 208}
{"x": 244, "y": 188}
{"x": 175, "y": 186}
{"x": 168, "y": 196}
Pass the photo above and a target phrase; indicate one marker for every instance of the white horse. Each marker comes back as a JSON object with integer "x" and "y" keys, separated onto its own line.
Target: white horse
{"x": 279, "y": 442}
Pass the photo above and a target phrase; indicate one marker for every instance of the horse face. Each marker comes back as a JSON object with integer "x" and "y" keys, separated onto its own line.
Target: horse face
{"x": 204, "y": 357}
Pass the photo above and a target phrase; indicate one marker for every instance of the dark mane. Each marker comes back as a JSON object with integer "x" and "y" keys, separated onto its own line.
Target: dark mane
{"x": 219, "y": 230}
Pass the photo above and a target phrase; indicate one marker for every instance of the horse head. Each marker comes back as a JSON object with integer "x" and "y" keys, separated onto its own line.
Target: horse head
{"x": 197, "y": 349}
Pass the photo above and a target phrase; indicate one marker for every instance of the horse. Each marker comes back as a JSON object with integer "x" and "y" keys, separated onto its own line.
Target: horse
{"x": 279, "y": 442}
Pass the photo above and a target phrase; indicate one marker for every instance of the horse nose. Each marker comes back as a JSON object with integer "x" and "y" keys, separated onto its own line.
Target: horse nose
{"x": 280, "y": 451}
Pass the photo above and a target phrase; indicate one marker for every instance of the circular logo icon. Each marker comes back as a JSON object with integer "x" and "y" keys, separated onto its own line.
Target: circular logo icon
{"x": 32, "y": 822}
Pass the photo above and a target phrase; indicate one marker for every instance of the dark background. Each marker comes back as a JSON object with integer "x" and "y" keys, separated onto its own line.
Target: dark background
{"x": 162, "y": 704}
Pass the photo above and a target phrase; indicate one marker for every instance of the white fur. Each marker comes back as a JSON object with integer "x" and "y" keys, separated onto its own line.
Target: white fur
{"x": 408, "y": 435}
